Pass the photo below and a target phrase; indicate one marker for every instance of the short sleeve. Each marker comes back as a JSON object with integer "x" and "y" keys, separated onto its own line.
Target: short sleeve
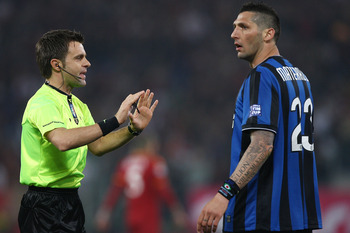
{"x": 46, "y": 117}
{"x": 261, "y": 101}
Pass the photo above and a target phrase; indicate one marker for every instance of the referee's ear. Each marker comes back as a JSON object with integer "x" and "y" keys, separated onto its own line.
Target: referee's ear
{"x": 55, "y": 64}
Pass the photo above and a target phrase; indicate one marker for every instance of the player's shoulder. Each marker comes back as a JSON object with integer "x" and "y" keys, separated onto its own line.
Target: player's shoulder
{"x": 269, "y": 68}
{"x": 273, "y": 62}
{"x": 263, "y": 72}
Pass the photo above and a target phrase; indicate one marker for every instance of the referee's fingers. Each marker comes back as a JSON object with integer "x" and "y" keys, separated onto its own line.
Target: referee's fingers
{"x": 149, "y": 100}
{"x": 136, "y": 96}
{"x": 154, "y": 105}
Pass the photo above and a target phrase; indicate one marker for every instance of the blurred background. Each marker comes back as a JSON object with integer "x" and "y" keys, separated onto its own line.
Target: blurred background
{"x": 181, "y": 50}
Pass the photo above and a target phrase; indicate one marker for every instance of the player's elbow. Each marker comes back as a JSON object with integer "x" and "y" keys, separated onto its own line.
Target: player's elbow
{"x": 269, "y": 149}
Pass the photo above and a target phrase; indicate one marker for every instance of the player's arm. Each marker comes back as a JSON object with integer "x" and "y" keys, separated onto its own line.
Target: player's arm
{"x": 104, "y": 213}
{"x": 258, "y": 151}
{"x": 166, "y": 193}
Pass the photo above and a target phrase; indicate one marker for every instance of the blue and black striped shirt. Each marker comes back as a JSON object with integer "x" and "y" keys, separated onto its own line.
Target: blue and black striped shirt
{"x": 276, "y": 96}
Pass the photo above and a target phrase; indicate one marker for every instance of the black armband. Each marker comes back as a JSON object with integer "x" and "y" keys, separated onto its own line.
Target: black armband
{"x": 108, "y": 125}
{"x": 229, "y": 189}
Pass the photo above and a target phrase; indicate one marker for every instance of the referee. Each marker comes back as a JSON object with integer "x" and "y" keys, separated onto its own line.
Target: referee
{"x": 273, "y": 181}
{"x": 58, "y": 130}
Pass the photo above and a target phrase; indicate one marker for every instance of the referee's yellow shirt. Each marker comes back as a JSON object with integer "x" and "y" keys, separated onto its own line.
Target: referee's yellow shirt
{"x": 42, "y": 164}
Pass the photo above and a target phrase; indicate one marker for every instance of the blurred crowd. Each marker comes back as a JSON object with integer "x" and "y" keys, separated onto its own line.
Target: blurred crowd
{"x": 182, "y": 51}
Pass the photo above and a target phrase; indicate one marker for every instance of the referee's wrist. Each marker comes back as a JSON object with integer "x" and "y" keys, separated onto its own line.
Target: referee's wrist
{"x": 133, "y": 131}
{"x": 108, "y": 125}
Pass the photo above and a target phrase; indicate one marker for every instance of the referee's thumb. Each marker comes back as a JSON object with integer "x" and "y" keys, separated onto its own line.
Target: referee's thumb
{"x": 131, "y": 117}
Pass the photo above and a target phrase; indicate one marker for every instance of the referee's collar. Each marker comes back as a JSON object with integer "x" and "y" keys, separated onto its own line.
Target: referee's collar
{"x": 56, "y": 89}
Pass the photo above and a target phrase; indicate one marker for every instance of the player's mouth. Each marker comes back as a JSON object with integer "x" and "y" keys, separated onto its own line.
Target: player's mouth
{"x": 238, "y": 47}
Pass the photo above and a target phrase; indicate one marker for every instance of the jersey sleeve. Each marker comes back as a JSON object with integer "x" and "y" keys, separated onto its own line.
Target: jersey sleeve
{"x": 46, "y": 117}
{"x": 260, "y": 101}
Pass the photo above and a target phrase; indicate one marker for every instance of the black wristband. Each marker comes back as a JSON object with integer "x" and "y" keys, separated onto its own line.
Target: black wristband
{"x": 108, "y": 125}
{"x": 229, "y": 189}
{"x": 135, "y": 133}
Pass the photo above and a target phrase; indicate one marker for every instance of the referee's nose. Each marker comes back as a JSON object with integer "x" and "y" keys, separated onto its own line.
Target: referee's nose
{"x": 87, "y": 64}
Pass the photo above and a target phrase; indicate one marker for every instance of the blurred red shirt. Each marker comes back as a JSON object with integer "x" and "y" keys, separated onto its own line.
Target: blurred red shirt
{"x": 143, "y": 178}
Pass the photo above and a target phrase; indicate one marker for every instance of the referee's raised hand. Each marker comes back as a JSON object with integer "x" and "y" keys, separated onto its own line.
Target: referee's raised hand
{"x": 143, "y": 113}
{"x": 126, "y": 106}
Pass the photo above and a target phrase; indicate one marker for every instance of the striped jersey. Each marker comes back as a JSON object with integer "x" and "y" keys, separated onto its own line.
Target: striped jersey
{"x": 283, "y": 196}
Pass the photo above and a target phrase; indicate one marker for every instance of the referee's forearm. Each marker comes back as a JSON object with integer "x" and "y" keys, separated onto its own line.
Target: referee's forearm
{"x": 111, "y": 141}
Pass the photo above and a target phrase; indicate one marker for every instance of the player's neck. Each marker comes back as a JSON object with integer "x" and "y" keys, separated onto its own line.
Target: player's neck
{"x": 265, "y": 54}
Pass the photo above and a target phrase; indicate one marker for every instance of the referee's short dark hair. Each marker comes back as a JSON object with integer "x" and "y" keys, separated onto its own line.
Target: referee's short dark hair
{"x": 266, "y": 17}
{"x": 54, "y": 44}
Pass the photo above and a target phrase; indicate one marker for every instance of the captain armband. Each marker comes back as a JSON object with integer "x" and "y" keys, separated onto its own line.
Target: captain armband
{"x": 229, "y": 189}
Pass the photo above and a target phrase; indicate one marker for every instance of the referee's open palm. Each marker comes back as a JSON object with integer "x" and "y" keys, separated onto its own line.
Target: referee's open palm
{"x": 126, "y": 106}
{"x": 144, "y": 111}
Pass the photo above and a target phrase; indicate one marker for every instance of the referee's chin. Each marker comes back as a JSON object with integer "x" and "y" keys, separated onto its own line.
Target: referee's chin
{"x": 80, "y": 83}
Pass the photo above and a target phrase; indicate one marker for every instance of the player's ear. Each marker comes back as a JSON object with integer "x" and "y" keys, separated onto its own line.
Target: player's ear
{"x": 55, "y": 64}
{"x": 268, "y": 34}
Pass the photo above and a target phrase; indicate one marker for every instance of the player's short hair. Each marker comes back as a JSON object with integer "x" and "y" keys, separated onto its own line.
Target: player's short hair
{"x": 266, "y": 16}
{"x": 54, "y": 44}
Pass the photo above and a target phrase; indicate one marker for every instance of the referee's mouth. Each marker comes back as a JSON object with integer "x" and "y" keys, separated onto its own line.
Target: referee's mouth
{"x": 83, "y": 74}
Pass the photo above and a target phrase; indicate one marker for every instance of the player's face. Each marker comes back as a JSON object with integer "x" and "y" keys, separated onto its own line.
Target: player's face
{"x": 248, "y": 38}
{"x": 76, "y": 64}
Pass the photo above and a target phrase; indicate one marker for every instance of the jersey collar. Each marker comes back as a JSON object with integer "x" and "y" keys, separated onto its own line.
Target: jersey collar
{"x": 56, "y": 89}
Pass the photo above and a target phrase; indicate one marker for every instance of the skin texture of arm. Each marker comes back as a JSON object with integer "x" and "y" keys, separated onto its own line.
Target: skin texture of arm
{"x": 254, "y": 157}
{"x": 110, "y": 142}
